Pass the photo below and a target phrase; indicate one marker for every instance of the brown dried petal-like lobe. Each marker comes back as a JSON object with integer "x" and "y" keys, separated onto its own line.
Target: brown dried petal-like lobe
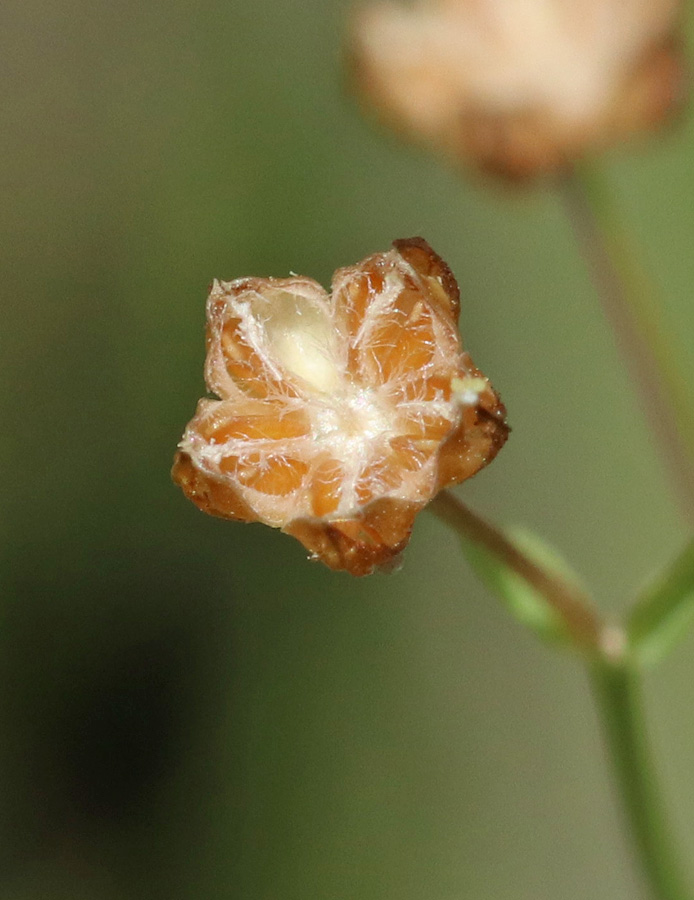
{"x": 215, "y": 496}
{"x": 372, "y": 539}
{"x": 397, "y": 311}
{"x": 435, "y": 275}
{"x": 414, "y": 263}
{"x": 235, "y": 362}
{"x": 473, "y": 445}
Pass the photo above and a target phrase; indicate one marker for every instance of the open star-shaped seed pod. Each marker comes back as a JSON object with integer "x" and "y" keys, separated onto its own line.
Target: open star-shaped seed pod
{"x": 339, "y": 416}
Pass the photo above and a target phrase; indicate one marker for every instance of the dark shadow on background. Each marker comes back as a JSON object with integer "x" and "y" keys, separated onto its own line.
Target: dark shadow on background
{"x": 109, "y": 681}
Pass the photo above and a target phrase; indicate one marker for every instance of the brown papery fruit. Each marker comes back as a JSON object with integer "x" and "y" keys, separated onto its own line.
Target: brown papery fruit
{"x": 339, "y": 416}
{"x": 519, "y": 88}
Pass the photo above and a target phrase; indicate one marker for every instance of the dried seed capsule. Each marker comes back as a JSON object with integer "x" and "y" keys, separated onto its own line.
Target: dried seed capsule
{"x": 340, "y": 416}
{"x": 520, "y": 88}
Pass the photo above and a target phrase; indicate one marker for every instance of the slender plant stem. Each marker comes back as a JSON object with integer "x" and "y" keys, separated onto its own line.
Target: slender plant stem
{"x": 572, "y": 606}
{"x": 616, "y": 686}
{"x": 617, "y": 690}
{"x": 631, "y": 307}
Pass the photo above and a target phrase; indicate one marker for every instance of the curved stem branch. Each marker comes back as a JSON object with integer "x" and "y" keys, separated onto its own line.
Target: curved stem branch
{"x": 630, "y": 307}
{"x": 616, "y": 687}
{"x": 570, "y": 604}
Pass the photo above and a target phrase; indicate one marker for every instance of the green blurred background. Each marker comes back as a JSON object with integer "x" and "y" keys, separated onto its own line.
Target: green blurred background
{"x": 189, "y": 708}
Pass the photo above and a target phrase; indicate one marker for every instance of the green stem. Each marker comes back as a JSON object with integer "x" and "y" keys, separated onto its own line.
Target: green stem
{"x": 574, "y": 610}
{"x": 616, "y": 681}
{"x": 631, "y": 306}
{"x": 617, "y": 690}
